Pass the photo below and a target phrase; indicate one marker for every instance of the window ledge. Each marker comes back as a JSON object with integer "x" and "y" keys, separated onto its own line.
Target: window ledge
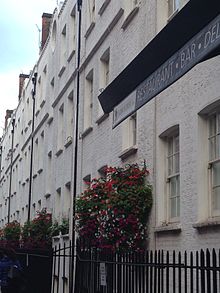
{"x": 35, "y": 175}
{"x": 37, "y": 113}
{"x": 59, "y": 152}
{"x": 56, "y": 238}
{"x": 61, "y": 71}
{"x": 128, "y": 152}
{"x": 213, "y": 222}
{"x": 71, "y": 56}
{"x": 169, "y": 227}
{"x": 69, "y": 141}
{"x": 102, "y": 118}
{"x": 40, "y": 171}
{"x": 86, "y": 132}
{"x": 89, "y": 30}
{"x": 47, "y": 195}
{"x": 49, "y": 121}
{"x": 42, "y": 104}
{"x": 103, "y": 7}
{"x": 129, "y": 18}
{"x": 52, "y": 82}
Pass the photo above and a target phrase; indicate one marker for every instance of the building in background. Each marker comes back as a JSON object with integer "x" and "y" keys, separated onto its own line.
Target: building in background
{"x": 176, "y": 132}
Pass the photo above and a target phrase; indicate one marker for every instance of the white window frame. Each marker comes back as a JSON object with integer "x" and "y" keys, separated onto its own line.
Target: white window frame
{"x": 104, "y": 75}
{"x": 129, "y": 132}
{"x": 88, "y": 100}
{"x": 213, "y": 160}
{"x": 69, "y": 118}
{"x": 91, "y": 9}
{"x": 173, "y": 174}
{"x": 63, "y": 47}
{"x": 60, "y": 128}
{"x": 173, "y": 8}
{"x": 72, "y": 34}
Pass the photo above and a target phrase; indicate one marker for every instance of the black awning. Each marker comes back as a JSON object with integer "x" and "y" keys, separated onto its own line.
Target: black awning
{"x": 188, "y": 22}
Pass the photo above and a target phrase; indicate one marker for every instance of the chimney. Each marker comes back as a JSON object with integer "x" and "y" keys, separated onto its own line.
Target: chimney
{"x": 7, "y": 116}
{"x": 22, "y": 78}
{"x": 46, "y": 20}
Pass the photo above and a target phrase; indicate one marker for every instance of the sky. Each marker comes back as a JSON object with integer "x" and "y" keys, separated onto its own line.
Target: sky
{"x": 20, "y": 22}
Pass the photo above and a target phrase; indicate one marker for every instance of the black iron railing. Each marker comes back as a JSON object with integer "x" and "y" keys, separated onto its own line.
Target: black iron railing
{"x": 100, "y": 271}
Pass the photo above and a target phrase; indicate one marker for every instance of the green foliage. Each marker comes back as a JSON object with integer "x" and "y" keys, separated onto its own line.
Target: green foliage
{"x": 64, "y": 226}
{"x": 36, "y": 233}
{"x": 12, "y": 231}
{"x": 57, "y": 228}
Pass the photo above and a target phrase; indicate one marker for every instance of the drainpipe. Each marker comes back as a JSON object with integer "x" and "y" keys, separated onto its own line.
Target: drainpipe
{"x": 10, "y": 179}
{"x": 72, "y": 285}
{"x": 34, "y": 81}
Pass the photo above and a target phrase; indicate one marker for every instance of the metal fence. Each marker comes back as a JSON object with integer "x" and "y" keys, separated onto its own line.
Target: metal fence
{"x": 99, "y": 271}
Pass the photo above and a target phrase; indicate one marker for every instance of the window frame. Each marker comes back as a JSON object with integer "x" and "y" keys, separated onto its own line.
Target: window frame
{"x": 212, "y": 161}
{"x": 88, "y": 100}
{"x": 171, "y": 175}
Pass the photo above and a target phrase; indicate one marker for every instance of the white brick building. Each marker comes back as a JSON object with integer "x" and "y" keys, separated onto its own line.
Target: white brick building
{"x": 177, "y": 132}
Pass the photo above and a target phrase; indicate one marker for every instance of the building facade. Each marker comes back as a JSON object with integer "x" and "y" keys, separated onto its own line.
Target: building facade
{"x": 177, "y": 132}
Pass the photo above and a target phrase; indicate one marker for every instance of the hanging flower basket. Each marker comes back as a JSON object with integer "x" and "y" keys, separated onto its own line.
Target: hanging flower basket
{"x": 113, "y": 212}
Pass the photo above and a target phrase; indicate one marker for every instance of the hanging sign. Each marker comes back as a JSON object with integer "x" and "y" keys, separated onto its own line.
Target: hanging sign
{"x": 193, "y": 52}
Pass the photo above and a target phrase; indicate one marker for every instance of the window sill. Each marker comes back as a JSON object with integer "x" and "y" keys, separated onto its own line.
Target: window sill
{"x": 56, "y": 238}
{"x": 89, "y": 30}
{"x": 212, "y": 222}
{"x": 86, "y": 132}
{"x": 52, "y": 82}
{"x": 61, "y": 71}
{"x": 169, "y": 227}
{"x": 129, "y": 18}
{"x": 68, "y": 142}
{"x": 42, "y": 104}
{"x": 71, "y": 56}
{"x": 40, "y": 171}
{"x": 49, "y": 121}
{"x": 128, "y": 152}
{"x": 35, "y": 175}
{"x": 102, "y": 118}
{"x": 37, "y": 113}
{"x": 59, "y": 152}
{"x": 47, "y": 195}
{"x": 103, "y": 7}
